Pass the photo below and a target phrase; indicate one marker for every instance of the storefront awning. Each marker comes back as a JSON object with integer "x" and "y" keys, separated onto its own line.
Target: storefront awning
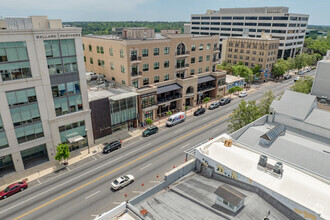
{"x": 168, "y": 88}
{"x": 205, "y": 79}
{"x": 76, "y": 139}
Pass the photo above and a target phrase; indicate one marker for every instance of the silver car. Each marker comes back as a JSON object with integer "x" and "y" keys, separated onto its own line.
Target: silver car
{"x": 122, "y": 181}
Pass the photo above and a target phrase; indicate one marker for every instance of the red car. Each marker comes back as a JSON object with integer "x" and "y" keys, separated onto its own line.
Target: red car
{"x": 13, "y": 188}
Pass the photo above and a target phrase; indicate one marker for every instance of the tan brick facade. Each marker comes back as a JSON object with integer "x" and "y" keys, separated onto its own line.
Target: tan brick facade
{"x": 185, "y": 66}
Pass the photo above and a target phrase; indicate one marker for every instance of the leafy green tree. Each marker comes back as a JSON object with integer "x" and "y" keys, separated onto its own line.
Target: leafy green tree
{"x": 243, "y": 71}
{"x": 149, "y": 121}
{"x": 169, "y": 113}
{"x": 206, "y": 100}
{"x": 62, "y": 153}
{"x": 280, "y": 67}
{"x": 303, "y": 85}
{"x": 231, "y": 90}
{"x": 256, "y": 70}
{"x": 266, "y": 100}
{"x": 243, "y": 115}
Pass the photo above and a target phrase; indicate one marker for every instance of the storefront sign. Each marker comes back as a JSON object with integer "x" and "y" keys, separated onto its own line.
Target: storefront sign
{"x": 57, "y": 36}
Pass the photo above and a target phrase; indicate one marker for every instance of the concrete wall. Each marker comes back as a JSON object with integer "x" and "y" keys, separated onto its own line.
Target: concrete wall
{"x": 118, "y": 210}
{"x": 260, "y": 121}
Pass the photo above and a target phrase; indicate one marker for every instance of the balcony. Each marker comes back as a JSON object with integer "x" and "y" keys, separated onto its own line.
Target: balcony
{"x": 168, "y": 98}
{"x": 182, "y": 66}
{"x": 216, "y": 50}
{"x": 206, "y": 87}
{"x": 136, "y": 74}
{"x": 215, "y": 60}
{"x": 135, "y": 59}
{"x": 182, "y": 54}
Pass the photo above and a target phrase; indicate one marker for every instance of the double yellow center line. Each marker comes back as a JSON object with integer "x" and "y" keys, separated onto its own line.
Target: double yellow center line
{"x": 125, "y": 165}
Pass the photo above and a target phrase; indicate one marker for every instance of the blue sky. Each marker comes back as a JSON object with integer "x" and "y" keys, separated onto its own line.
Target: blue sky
{"x": 151, "y": 10}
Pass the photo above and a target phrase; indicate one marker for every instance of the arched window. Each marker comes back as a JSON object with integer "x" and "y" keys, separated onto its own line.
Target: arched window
{"x": 190, "y": 89}
{"x": 181, "y": 49}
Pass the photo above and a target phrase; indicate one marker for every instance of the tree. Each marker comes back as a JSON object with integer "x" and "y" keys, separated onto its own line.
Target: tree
{"x": 303, "y": 85}
{"x": 149, "y": 121}
{"x": 266, "y": 100}
{"x": 231, "y": 90}
{"x": 206, "y": 100}
{"x": 256, "y": 70}
{"x": 243, "y": 71}
{"x": 62, "y": 153}
{"x": 169, "y": 113}
{"x": 279, "y": 68}
{"x": 243, "y": 115}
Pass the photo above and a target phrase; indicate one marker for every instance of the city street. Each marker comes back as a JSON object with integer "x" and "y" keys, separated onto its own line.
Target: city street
{"x": 83, "y": 192}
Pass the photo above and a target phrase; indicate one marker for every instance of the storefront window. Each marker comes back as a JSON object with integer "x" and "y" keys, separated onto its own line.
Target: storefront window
{"x": 123, "y": 110}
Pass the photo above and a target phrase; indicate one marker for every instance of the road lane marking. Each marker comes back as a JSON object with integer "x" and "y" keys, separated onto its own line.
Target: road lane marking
{"x": 154, "y": 181}
{"x": 178, "y": 131}
{"x": 138, "y": 192}
{"x": 206, "y": 118}
{"x": 115, "y": 170}
{"x": 217, "y": 129}
{"x": 184, "y": 146}
{"x": 145, "y": 166}
{"x": 68, "y": 168}
{"x": 117, "y": 203}
{"x": 92, "y": 195}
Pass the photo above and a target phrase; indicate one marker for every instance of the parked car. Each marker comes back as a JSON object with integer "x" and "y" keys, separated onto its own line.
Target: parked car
{"x": 176, "y": 119}
{"x": 224, "y": 101}
{"x": 13, "y": 188}
{"x": 242, "y": 94}
{"x": 122, "y": 181}
{"x": 296, "y": 79}
{"x": 214, "y": 105}
{"x": 109, "y": 147}
{"x": 149, "y": 131}
{"x": 287, "y": 76}
{"x": 199, "y": 111}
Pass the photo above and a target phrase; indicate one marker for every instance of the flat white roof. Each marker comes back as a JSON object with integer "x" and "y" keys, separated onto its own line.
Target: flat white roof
{"x": 295, "y": 185}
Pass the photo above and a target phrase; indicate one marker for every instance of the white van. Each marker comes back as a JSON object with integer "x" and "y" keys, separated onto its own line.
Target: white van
{"x": 176, "y": 119}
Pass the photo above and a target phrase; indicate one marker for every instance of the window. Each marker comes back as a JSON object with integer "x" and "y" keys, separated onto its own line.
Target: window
{"x": 74, "y": 128}
{"x": 156, "y": 51}
{"x": 192, "y": 72}
{"x": 83, "y": 46}
{"x": 145, "y": 81}
{"x": 166, "y": 50}
{"x": 123, "y": 82}
{"x": 112, "y": 67}
{"x": 193, "y": 47}
{"x": 156, "y": 79}
{"x": 91, "y": 60}
{"x": 85, "y": 59}
{"x": 99, "y": 62}
{"x": 166, "y": 77}
{"x": 101, "y": 50}
{"x": 145, "y": 67}
{"x": 200, "y": 70}
{"x": 156, "y": 65}
{"x": 166, "y": 63}
{"x": 16, "y": 54}
{"x": 144, "y": 52}
{"x": 192, "y": 60}
{"x": 207, "y": 69}
{"x": 208, "y": 46}
{"x": 97, "y": 49}
{"x": 200, "y": 59}
{"x": 111, "y": 51}
{"x": 121, "y": 54}
{"x": 122, "y": 68}
{"x": 207, "y": 57}
{"x": 102, "y": 63}
{"x": 90, "y": 48}
{"x": 135, "y": 84}
{"x": 201, "y": 46}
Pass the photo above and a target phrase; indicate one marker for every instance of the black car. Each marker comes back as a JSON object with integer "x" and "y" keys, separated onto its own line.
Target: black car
{"x": 287, "y": 77}
{"x": 214, "y": 105}
{"x": 109, "y": 147}
{"x": 199, "y": 111}
{"x": 149, "y": 131}
{"x": 224, "y": 101}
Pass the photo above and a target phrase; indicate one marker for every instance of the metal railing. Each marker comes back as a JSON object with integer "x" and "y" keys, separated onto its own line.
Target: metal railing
{"x": 182, "y": 53}
{"x": 136, "y": 73}
{"x": 135, "y": 58}
{"x": 168, "y": 98}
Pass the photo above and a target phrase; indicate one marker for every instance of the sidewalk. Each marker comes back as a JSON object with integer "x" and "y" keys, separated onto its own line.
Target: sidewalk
{"x": 37, "y": 172}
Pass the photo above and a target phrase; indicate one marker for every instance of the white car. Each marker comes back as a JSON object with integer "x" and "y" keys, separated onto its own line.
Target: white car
{"x": 242, "y": 94}
{"x": 296, "y": 79}
{"x": 122, "y": 181}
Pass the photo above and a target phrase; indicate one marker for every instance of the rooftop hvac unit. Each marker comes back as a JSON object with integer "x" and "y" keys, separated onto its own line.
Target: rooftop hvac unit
{"x": 278, "y": 168}
{"x": 262, "y": 161}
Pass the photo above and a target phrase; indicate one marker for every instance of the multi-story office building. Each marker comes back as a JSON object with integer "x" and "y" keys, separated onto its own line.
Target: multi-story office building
{"x": 290, "y": 28}
{"x": 169, "y": 72}
{"x": 251, "y": 51}
{"x": 43, "y": 91}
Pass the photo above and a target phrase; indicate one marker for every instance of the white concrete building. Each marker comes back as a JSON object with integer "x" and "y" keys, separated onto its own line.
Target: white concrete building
{"x": 290, "y": 28}
{"x": 321, "y": 82}
{"x": 43, "y": 92}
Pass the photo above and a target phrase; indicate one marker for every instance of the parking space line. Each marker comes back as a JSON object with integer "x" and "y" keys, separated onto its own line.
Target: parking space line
{"x": 94, "y": 158}
{"x": 178, "y": 131}
{"x": 184, "y": 146}
{"x": 99, "y": 155}
{"x": 138, "y": 192}
{"x": 68, "y": 168}
{"x": 145, "y": 166}
{"x": 140, "y": 138}
{"x": 39, "y": 181}
{"x": 205, "y": 118}
{"x": 117, "y": 203}
{"x": 92, "y": 195}
{"x": 154, "y": 181}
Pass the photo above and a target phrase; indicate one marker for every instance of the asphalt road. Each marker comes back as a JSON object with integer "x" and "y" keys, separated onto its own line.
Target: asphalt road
{"x": 83, "y": 192}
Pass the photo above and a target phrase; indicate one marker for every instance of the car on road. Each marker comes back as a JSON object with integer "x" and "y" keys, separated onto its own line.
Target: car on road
{"x": 224, "y": 101}
{"x": 122, "y": 181}
{"x": 214, "y": 105}
{"x": 296, "y": 79}
{"x": 109, "y": 147}
{"x": 13, "y": 188}
{"x": 287, "y": 76}
{"x": 149, "y": 131}
{"x": 199, "y": 111}
{"x": 242, "y": 94}
{"x": 176, "y": 119}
